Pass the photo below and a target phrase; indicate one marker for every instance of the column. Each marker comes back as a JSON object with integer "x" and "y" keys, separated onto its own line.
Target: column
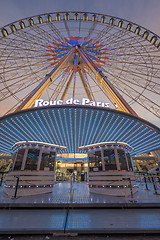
{"x": 88, "y": 161}
{"x": 117, "y": 159}
{"x": 39, "y": 159}
{"x": 24, "y": 158}
{"x": 126, "y": 160}
{"x": 102, "y": 158}
{"x": 55, "y": 161}
{"x": 14, "y": 160}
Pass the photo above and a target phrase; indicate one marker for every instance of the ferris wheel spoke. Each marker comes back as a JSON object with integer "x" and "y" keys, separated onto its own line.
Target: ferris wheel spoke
{"x": 44, "y": 34}
{"x": 125, "y": 43}
{"x": 90, "y": 31}
{"x": 55, "y": 31}
{"x": 131, "y": 73}
{"x": 134, "y": 83}
{"x": 140, "y": 67}
{"x": 99, "y": 86}
{"x": 29, "y": 84}
{"x": 21, "y": 78}
{"x": 143, "y": 102}
{"x": 39, "y": 64}
{"x": 59, "y": 87}
{"x": 135, "y": 91}
{"x": 114, "y": 38}
{"x": 103, "y": 32}
{"x": 68, "y": 83}
{"x": 19, "y": 90}
{"x": 67, "y": 28}
{"x": 30, "y": 38}
{"x": 86, "y": 85}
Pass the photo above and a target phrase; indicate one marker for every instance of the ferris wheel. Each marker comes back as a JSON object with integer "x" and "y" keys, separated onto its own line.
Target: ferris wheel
{"x": 76, "y": 54}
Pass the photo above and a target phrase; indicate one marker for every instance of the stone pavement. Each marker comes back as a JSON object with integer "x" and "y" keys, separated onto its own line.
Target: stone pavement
{"x": 88, "y": 221}
{"x": 81, "y": 195}
{"x": 85, "y": 213}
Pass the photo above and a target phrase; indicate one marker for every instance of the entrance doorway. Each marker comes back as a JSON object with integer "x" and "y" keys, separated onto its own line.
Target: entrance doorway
{"x": 71, "y": 164}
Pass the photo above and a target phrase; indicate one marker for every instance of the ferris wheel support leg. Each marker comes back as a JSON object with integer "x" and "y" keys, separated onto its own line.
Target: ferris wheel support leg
{"x": 117, "y": 99}
{"x": 46, "y": 82}
{"x": 88, "y": 92}
{"x": 67, "y": 87}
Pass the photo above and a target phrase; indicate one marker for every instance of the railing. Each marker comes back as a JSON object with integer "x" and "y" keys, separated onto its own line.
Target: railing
{"x": 151, "y": 181}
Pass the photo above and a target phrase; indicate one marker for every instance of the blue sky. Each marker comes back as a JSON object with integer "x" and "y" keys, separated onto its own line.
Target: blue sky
{"x": 142, "y": 12}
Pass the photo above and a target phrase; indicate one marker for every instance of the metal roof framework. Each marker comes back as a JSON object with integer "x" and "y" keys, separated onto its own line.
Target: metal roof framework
{"x": 74, "y": 126}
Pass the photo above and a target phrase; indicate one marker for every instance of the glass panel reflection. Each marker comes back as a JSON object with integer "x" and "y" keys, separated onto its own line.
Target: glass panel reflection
{"x": 32, "y": 159}
{"x": 110, "y": 160}
{"x": 122, "y": 160}
{"x": 95, "y": 162}
{"x": 19, "y": 159}
{"x": 47, "y": 163}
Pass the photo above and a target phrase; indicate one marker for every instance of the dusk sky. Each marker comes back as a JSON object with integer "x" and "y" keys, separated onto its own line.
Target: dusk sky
{"x": 142, "y": 12}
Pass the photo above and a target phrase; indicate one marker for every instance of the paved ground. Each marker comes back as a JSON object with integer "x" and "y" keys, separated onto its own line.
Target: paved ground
{"x": 83, "y": 221}
{"x": 81, "y": 195}
{"x": 29, "y": 221}
{"x": 84, "y": 237}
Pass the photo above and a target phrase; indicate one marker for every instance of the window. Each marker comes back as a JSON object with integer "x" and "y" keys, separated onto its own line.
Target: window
{"x": 19, "y": 159}
{"x": 95, "y": 162}
{"x": 122, "y": 160}
{"x": 47, "y": 162}
{"x": 110, "y": 160}
{"x": 32, "y": 159}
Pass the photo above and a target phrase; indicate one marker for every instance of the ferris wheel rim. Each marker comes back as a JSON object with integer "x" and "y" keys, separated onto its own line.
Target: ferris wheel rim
{"x": 90, "y": 13}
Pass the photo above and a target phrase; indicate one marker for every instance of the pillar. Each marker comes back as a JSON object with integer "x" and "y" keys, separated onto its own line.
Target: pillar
{"x": 88, "y": 161}
{"x": 102, "y": 158}
{"x": 15, "y": 158}
{"x": 39, "y": 159}
{"x": 126, "y": 160}
{"x": 55, "y": 161}
{"x": 117, "y": 159}
{"x": 24, "y": 158}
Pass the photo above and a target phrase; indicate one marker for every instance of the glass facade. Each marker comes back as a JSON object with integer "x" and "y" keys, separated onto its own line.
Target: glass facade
{"x": 95, "y": 162}
{"x": 19, "y": 159}
{"x": 32, "y": 159}
{"x": 47, "y": 162}
{"x": 64, "y": 169}
{"x": 122, "y": 159}
{"x": 110, "y": 160}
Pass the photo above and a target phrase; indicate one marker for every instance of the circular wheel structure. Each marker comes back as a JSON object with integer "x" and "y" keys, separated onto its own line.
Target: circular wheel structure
{"x": 80, "y": 55}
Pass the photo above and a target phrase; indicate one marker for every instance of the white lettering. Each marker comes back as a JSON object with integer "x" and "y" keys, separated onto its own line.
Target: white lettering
{"x": 98, "y": 104}
{"x": 59, "y": 102}
{"x": 85, "y": 101}
{"x": 38, "y": 103}
{"x": 69, "y": 101}
{"x": 76, "y": 101}
{"x": 92, "y": 103}
{"x": 107, "y": 105}
{"x": 52, "y": 103}
{"x": 45, "y": 103}
{"x": 103, "y": 105}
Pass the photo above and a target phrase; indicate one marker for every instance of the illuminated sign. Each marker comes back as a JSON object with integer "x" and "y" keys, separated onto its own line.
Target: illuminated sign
{"x": 84, "y": 101}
